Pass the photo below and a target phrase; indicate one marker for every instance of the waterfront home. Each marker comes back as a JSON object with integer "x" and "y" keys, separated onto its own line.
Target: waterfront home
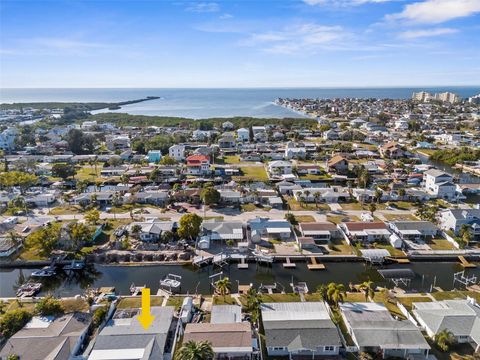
{"x": 308, "y": 169}
{"x": 123, "y": 337}
{"x": 366, "y": 232}
{"x": 219, "y": 230}
{"x": 460, "y": 317}
{"x": 414, "y": 230}
{"x": 226, "y": 314}
{"x": 373, "y": 329}
{"x": 439, "y": 183}
{"x": 228, "y": 340}
{"x": 48, "y": 337}
{"x": 151, "y": 230}
{"x": 454, "y": 219}
{"x": 198, "y": 165}
{"x": 337, "y": 164}
{"x": 177, "y": 152}
{"x": 263, "y": 228}
{"x": 279, "y": 168}
{"x": 321, "y": 232}
{"x": 299, "y": 329}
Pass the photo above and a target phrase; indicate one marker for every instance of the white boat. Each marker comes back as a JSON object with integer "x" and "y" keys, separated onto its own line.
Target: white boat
{"x": 29, "y": 289}
{"x": 136, "y": 290}
{"x": 74, "y": 265}
{"x": 171, "y": 282}
{"x": 45, "y": 272}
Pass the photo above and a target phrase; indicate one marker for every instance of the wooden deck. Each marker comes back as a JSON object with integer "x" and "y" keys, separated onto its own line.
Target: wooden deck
{"x": 288, "y": 264}
{"x": 399, "y": 260}
{"x": 315, "y": 265}
{"x": 465, "y": 263}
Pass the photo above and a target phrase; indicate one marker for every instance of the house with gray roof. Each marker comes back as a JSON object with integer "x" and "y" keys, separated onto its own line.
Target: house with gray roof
{"x": 373, "y": 329}
{"x": 152, "y": 229}
{"x": 50, "y": 338}
{"x": 269, "y": 229}
{"x": 454, "y": 219}
{"x": 125, "y": 338}
{"x": 223, "y": 230}
{"x": 226, "y": 314}
{"x": 414, "y": 230}
{"x": 299, "y": 329}
{"x": 460, "y": 317}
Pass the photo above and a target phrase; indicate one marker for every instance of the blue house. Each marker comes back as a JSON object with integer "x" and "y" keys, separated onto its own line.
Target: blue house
{"x": 154, "y": 156}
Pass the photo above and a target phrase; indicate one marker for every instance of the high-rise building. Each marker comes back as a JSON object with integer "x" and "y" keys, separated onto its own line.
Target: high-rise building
{"x": 474, "y": 99}
{"x": 447, "y": 97}
{"x": 421, "y": 96}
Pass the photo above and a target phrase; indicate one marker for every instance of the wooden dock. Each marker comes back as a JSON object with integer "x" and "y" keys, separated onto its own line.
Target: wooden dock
{"x": 288, "y": 264}
{"x": 242, "y": 265}
{"x": 399, "y": 260}
{"x": 315, "y": 265}
{"x": 465, "y": 263}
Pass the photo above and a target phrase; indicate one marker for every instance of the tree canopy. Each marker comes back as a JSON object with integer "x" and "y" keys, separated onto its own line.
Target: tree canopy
{"x": 189, "y": 226}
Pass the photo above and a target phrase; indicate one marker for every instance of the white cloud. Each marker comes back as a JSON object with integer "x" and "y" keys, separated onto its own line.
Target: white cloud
{"x": 342, "y": 3}
{"x": 305, "y": 37}
{"x": 225, "y": 16}
{"x": 436, "y": 11}
{"x": 414, "y": 34}
{"x": 203, "y": 7}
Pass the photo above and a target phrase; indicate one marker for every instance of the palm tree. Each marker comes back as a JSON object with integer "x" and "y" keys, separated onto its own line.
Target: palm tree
{"x": 335, "y": 293}
{"x": 372, "y": 207}
{"x": 223, "y": 286}
{"x": 367, "y": 288}
{"x": 253, "y": 302}
{"x": 444, "y": 339}
{"x": 316, "y": 196}
{"x": 322, "y": 291}
{"x": 192, "y": 350}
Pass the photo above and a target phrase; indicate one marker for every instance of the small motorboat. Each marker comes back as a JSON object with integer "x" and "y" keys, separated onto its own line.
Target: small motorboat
{"x": 45, "y": 272}
{"x": 74, "y": 265}
{"x": 171, "y": 282}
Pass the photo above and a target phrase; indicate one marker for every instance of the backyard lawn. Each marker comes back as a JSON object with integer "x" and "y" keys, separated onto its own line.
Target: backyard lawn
{"x": 440, "y": 244}
{"x": 340, "y": 247}
{"x": 136, "y": 302}
{"x": 88, "y": 173}
{"x": 252, "y": 173}
{"x": 231, "y": 159}
{"x": 337, "y": 219}
{"x": 408, "y": 301}
{"x": 304, "y": 218}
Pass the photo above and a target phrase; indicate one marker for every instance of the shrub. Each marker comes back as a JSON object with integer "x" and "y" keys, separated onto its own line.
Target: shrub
{"x": 13, "y": 320}
{"x": 49, "y": 306}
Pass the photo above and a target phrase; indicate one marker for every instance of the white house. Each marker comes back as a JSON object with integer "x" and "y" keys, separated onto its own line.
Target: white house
{"x": 243, "y": 135}
{"x": 270, "y": 229}
{"x": 453, "y": 219}
{"x": 439, "y": 184}
{"x": 294, "y": 152}
{"x": 460, "y": 317}
{"x": 7, "y": 139}
{"x": 177, "y": 152}
{"x": 280, "y": 167}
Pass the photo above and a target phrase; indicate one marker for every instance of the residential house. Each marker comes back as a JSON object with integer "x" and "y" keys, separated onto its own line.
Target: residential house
{"x": 154, "y": 156}
{"x": 125, "y": 338}
{"x": 47, "y": 337}
{"x": 226, "y": 314}
{"x": 157, "y": 198}
{"x": 439, "y": 184}
{"x": 7, "y": 139}
{"x": 414, "y": 230}
{"x": 294, "y": 152}
{"x": 280, "y": 167}
{"x": 243, "y": 135}
{"x": 227, "y": 141}
{"x": 308, "y": 170}
{"x": 332, "y": 194}
{"x": 270, "y": 229}
{"x": 230, "y": 196}
{"x": 454, "y": 219}
{"x": 151, "y": 230}
{"x": 177, "y": 152}
{"x": 219, "y": 230}
{"x": 337, "y": 164}
{"x": 228, "y": 340}
{"x": 117, "y": 142}
{"x": 373, "y": 329}
{"x": 391, "y": 150}
{"x": 366, "y": 232}
{"x": 321, "y": 232}
{"x": 198, "y": 165}
{"x": 459, "y": 317}
{"x": 299, "y": 329}
{"x": 8, "y": 247}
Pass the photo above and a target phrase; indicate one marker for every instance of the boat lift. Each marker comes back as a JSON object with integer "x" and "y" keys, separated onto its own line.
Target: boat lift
{"x": 464, "y": 279}
{"x": 214, "y": 277}
{"x": 398, "y": 276}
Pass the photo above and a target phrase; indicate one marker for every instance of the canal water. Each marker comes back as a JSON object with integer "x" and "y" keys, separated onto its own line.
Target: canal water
{"x": 198, "y": 280}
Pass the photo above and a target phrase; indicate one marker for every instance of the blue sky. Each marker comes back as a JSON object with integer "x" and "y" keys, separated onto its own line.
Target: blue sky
{"x": 244, "y": 43}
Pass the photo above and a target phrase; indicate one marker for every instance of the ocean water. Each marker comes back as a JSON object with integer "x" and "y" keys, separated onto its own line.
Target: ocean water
{"x": 205, "y": 103}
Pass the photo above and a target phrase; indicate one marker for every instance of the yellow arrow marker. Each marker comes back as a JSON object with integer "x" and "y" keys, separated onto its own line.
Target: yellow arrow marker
{"x": 146, "y": 318}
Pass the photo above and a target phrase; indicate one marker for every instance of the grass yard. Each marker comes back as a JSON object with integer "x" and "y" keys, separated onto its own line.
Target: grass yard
{"x": 248, "y": 207}
{"x": 440, "y": 244}
{"x": 353, "y": 206}
{"x": 88, "y": 173}
{"x": 231, "y": 159}
{"x": 391, "y": 249}
{"x": 315, "y": 177}
{"x": 340, "y": 247}
{"x": 269, "y": 298}
{"x": 355, "y": 297}
{"x": 400, "y": 217}
{"x": 66, "y": 210}
{"x": 252, "y": 173}
{"x": 450, "y": 295}
{"x": 175, "y": 301}
{"x": 337, "y": 219}
{"x": 304, "y": 218}
{"x": 136, "y": 302}
{"x": 223, "y": 300}
{"x": 294, "y": 205}
{"x": 73, "y": 305}
{"x": 408, "y": 301}
{"x": 390, "y": 305}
